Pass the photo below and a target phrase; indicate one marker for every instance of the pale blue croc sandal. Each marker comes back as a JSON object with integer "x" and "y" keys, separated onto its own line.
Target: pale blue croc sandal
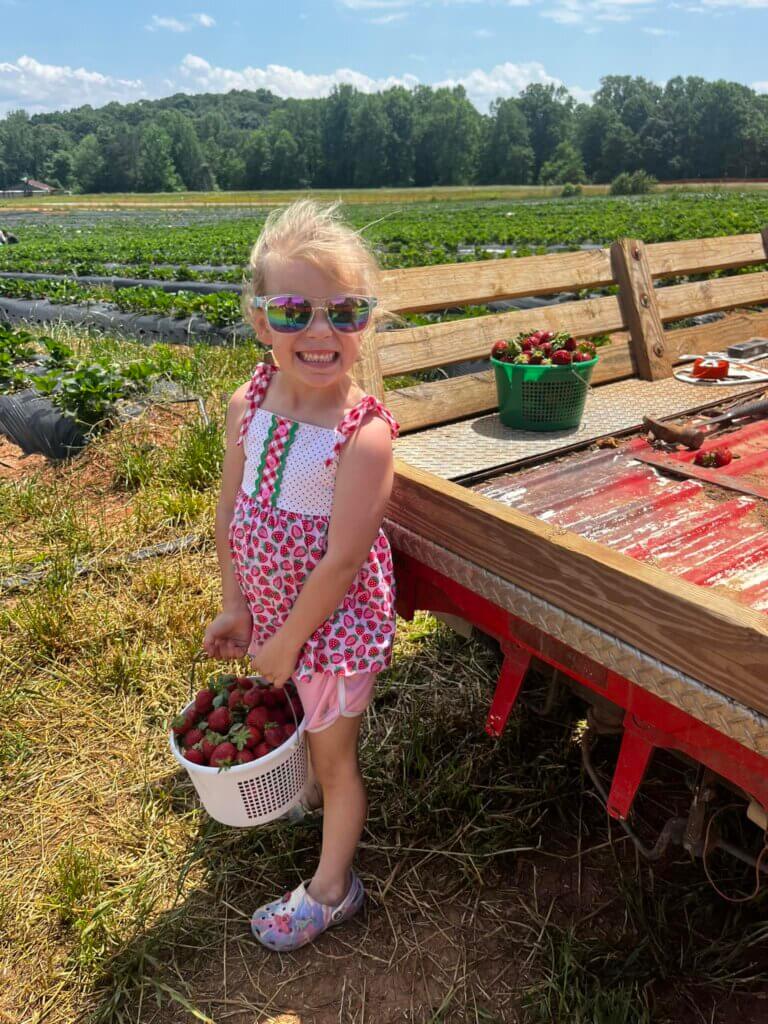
{"x": 297, "y": 919}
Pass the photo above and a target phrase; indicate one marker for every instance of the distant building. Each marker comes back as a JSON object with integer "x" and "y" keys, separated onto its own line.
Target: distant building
{"x": 27, "y": 187}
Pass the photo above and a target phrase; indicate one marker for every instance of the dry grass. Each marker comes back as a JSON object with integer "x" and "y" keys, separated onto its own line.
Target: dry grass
{"x": 498, "y": 892}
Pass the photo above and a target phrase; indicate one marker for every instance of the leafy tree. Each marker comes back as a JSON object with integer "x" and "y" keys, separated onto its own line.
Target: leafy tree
{"x": 565, "y": 165}
{"x": 155, "y": 171}
{"x": 506, "y": 155}
{"x": 87, "y": 164}
{"x": 18, "y": 146}
{"x": 548, "y": 110}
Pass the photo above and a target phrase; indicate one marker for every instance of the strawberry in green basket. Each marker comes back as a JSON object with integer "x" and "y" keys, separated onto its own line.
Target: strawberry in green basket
{"x": 523, "y": 359}
{"x": 588, "y": 348}
{"x": 561, "y": 357}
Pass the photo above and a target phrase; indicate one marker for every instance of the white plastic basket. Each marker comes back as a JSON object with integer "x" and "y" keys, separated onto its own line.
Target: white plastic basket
{"x": 254, "y": 793}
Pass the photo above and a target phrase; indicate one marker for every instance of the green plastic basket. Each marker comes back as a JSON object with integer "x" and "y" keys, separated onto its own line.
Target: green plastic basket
{"x": 542, "y": 397}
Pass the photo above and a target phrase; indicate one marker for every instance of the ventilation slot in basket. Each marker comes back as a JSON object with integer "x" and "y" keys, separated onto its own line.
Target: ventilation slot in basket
{"x": 276, "y": 788}
{"x": 553, "y": 400}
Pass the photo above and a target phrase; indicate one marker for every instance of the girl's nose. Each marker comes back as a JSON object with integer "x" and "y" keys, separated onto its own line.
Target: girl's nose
{"x": 320, "y": 324}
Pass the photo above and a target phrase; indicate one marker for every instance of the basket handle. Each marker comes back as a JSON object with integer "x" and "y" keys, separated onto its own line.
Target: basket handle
{"x": 203, "y": 656}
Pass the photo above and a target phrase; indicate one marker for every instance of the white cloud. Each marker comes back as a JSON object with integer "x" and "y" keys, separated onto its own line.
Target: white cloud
{"x": 482, "y": 86}
{"x": 659, "y": 32}
{"x": 159, "y": 23}
{"x": 38, "y": 87}
{"x": 760, "y": 86}
{"x": 282, "y": 81}
{"x": 575, "y": 12}
{"x": 389, "y": 19}
{"x": 482, "y": 33}
{"x": 749, "y": 4}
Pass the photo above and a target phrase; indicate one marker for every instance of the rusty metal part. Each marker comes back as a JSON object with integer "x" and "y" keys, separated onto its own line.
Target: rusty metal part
{"x": 694, "y": 437}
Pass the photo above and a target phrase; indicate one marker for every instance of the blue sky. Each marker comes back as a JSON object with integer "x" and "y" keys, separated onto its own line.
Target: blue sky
{"x": 55, "y": 55}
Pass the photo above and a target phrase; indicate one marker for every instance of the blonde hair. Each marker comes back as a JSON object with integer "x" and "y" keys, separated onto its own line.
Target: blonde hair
{"x": 309, "y": 231}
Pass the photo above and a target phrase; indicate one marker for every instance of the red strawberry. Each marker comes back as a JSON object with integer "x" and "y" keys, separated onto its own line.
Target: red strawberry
{"x": 536, "y": 356}
{"x": 579, "y": 357}
{"x": 235, "y": 699}
{"x": 204, "y": 701}
{"x": 716, "y": 458}
{"x": 546, "y": 348}
{"x": 244, "y": 682}
{"x": 252, "y": 698}
{"x": 184, "y": 722}
{"x": 570, "y": 345}
{"x": 255, "y": 737}
{"x": 278, "y": 715}
{"x": 223, "y": 755}
{"x": 262, "y": 750}
{"x": 547, "y": 335}
{"x": 526, "y": 345}
{"x": 244, "y": 757}
{"x": 192, "y": 737}
{"x": 219, "y": 720}
{"x": 269, "y": 698}
{"x": 273, "y": 734}
{"x": 194, "y": 755}
{"x": 499, "y": 349}
{"x": 258, "y": 717}
{"x": 562, "y": 357}
{"x": 289, "y": 730}
{"x": 209, "y": 744}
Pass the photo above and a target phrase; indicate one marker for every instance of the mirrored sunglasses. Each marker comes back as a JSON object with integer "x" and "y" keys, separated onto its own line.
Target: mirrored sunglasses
{"x": 289, "y": 314}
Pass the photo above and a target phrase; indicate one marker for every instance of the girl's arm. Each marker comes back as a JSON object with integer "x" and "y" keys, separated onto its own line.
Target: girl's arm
{"x": 363, "y": 484}
{"x": 229, "y": 634}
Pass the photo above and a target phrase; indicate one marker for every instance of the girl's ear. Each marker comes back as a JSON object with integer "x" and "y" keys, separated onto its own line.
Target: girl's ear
{"x": 261, "y": 327}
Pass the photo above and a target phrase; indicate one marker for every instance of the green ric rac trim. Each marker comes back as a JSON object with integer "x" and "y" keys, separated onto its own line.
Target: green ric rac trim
{"x": 283, "y": 457}
{"x": 264, "y": 453}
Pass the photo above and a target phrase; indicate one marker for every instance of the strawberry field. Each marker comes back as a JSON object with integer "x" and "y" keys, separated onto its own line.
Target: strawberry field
{"x": 499, "y": 892}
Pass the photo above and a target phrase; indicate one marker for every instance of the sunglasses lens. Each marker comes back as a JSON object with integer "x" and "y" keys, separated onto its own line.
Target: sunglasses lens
{"x": 349, "y": 313}
{"x": 288, "y": 313}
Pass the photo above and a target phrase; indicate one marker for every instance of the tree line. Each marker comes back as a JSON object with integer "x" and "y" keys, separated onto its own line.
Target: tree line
{"x": 689, "y": 128}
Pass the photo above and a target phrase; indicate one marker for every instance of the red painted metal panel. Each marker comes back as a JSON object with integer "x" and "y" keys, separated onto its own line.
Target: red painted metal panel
{"x": 699, "y": 529}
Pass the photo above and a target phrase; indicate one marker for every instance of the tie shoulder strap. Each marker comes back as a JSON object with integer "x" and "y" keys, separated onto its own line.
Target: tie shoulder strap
{"x": 254, "y": 396}
{"x": 352, "y": 420}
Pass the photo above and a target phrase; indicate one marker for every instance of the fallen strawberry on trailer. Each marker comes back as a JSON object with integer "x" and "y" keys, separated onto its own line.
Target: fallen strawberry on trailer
{"x": 715, "y": 458}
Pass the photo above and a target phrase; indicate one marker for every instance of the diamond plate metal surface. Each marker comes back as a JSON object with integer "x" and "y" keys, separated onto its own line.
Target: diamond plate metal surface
{"x": 482, "y": 443}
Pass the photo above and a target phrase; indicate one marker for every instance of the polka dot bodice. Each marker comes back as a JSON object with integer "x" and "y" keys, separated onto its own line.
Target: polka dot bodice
{"x": 278, "y": 534}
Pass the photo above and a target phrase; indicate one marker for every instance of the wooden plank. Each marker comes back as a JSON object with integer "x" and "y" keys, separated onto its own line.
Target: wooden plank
{"x": 683, "y": 300}
{"x": 637, "y": 298}
{"x": 367, "y": 370}
{"x": 425, "y": 405}
{"x": 659, "y": 614}
{"x": 418, "y": 348}
{"x": 703, "y": 255}
{"x": 418, "y": 289}
{"x": 718, "y": 336}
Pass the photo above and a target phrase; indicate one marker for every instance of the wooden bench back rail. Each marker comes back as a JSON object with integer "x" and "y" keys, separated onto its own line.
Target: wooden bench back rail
{"x": 634, "y": 317}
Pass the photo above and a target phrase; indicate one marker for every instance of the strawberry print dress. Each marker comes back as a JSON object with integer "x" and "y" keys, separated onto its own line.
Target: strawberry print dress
{"x": 279, "y": 533}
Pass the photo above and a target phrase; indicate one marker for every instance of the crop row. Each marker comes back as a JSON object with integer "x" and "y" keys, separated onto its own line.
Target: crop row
{"x": 415, "y": 234}
{"x": 221, "y": 308}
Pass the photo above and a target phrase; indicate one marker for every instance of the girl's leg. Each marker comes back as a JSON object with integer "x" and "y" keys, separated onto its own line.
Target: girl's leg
{"x": 334, "y": 758}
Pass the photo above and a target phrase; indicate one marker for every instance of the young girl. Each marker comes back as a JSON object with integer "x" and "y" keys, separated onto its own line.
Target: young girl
{"x": 307, "y": 583}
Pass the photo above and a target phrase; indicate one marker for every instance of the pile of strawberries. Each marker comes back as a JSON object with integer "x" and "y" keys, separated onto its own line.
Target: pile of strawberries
{"x": 234, "y": 720}
{"x": 543, "y": 348}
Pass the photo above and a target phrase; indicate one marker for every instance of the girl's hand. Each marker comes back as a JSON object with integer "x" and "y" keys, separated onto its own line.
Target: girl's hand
{"x": 229, "y": 635}
{"x": 276, "y": 660}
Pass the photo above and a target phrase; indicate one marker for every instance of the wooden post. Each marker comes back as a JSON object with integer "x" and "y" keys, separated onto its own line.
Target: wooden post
{"x": 764, "y": 236}
{"x": 641, "y": 312}
{"x": 367, "y": 370}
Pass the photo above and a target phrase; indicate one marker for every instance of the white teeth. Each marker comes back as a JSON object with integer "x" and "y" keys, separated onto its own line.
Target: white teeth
{"x": 316, "y": 357}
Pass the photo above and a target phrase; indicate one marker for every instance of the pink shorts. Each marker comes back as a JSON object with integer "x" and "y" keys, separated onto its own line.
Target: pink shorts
{"x": 326, "y": 697}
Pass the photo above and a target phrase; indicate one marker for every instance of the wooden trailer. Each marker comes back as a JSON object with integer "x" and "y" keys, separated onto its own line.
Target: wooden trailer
{"x": 647, "y": 589}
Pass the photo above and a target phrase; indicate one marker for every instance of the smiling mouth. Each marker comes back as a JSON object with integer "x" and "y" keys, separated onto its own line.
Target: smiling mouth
{"x": 317, "y": 358}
